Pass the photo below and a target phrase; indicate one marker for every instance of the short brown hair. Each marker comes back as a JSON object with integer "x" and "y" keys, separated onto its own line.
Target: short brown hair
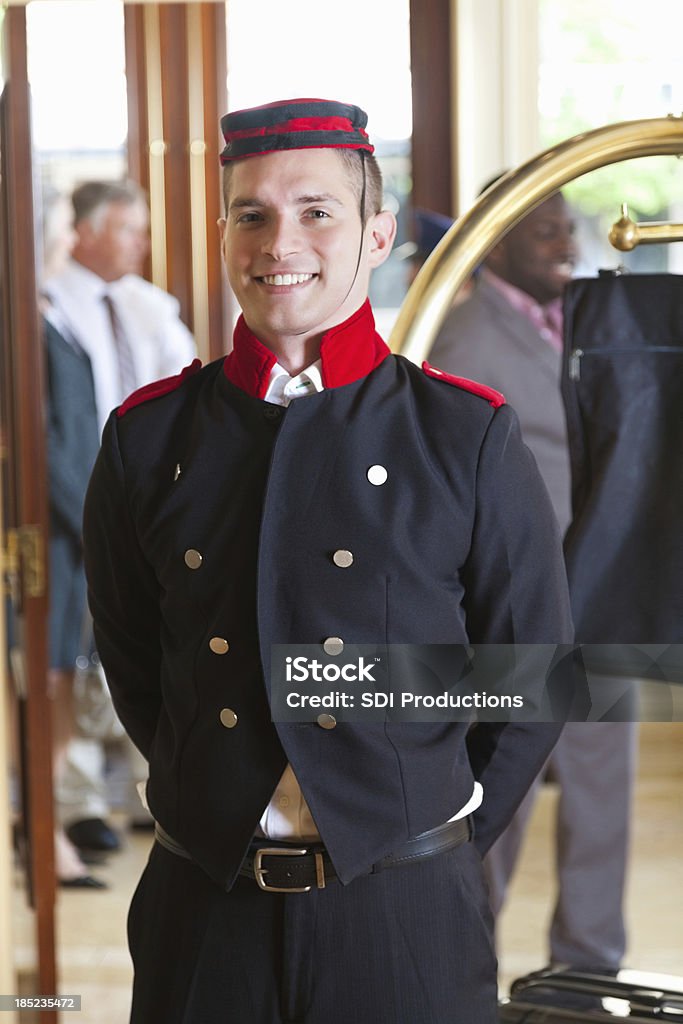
{"x": 92, "y": 196}
{"x": 351, "y": 158}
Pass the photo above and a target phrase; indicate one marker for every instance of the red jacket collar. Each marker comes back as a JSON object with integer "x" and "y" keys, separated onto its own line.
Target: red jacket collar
{"x": 348, "y": 351}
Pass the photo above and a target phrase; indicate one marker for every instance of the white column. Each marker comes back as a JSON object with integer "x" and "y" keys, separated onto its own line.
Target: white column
{"x": 495, "y": 90}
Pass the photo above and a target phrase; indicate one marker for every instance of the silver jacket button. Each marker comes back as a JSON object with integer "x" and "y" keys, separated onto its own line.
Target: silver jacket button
{"x": 193, "y": 559}
{"x": 326, "y": 721}
{"x": 228, "y": 718}
{"x": 333, "y": 645}
{"x": 377, "y": 475}
{"x": 218, "y": 645}
{"x": 343, "y": 559}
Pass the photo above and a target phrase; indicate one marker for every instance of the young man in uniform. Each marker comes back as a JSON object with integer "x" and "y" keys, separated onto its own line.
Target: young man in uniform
{"x": 312, "y": 488}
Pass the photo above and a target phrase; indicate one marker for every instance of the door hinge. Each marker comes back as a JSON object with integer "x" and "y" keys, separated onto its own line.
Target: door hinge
{"x": 32, "y": 552}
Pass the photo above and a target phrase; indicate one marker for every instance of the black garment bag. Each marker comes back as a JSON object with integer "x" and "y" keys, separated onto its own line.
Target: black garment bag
{"x": 622, "y": 385}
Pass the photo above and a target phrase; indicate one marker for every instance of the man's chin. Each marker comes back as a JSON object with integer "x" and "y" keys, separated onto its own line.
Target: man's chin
{"x": 556, "y": 286}
{"x": 270, "y": 330}
{"x": 563, "y": 276}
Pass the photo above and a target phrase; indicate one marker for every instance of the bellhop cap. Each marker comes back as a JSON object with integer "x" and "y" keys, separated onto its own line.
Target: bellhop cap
{"x": 293, "y": 124}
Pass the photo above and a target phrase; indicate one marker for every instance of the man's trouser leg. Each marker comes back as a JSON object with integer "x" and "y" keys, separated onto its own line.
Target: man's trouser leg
{"x": 80, "y": 791}
{"x": 595, "y": 765}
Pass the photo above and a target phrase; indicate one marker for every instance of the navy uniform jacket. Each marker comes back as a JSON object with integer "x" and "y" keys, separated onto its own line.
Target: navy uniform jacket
{"x": 213, "y": 516}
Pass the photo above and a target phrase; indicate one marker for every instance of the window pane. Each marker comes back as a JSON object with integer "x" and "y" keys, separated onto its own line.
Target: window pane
{"x": 602, "y": 63}
{"x": 78, "y": 89}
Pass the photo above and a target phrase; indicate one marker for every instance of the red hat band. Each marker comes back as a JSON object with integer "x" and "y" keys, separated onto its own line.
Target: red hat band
{"x": 293, "y": 124}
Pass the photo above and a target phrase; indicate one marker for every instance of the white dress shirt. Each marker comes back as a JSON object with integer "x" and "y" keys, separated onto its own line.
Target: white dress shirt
{"x": 288, "y": 816}
{"x": 160, "y": 343}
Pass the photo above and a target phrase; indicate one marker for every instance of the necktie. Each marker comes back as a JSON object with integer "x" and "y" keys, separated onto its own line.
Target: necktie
{"x": 124, "y": 354}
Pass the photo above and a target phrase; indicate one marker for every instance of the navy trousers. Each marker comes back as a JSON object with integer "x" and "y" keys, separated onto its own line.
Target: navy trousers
{"x": 408, "y": 945}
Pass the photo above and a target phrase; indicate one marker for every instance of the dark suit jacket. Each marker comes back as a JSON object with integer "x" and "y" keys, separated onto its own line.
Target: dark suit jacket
{"x": 72, "y": 446}
{"x": 459, "y": 545}
{"x": 72, "y": 438}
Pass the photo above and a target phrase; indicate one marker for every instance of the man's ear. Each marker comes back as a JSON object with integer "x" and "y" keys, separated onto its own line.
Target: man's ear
{"x": 85, "y": 233}
{"x": 222, "y": 224}
{"x": 381, "y": 234}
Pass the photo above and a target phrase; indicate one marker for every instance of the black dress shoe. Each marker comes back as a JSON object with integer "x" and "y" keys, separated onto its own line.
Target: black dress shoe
{"x": 93, "y": 858}
{"x": 93, "y": 834}
{"x": 82, "y": 882}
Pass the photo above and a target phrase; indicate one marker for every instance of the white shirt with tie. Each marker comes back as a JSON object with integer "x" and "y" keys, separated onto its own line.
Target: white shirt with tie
{"x": 160, "y": 343}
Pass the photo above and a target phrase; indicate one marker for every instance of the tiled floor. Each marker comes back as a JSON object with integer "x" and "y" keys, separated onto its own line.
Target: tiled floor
{"x": 91, "y": 926}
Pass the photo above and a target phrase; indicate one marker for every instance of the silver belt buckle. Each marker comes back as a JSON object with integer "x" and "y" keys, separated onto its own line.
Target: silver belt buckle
{"x": 260, "y": 872}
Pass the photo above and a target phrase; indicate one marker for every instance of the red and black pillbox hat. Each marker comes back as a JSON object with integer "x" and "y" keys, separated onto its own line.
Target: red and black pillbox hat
{"x": 293, "y": 124}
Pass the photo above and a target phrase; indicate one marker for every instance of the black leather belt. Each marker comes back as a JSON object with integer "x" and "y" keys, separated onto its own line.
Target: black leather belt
{"x": 291, "y": 868}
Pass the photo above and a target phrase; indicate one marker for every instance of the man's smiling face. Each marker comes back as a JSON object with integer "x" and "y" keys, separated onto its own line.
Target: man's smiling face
{"x": 291, "y": 240}
{"x": 538, "y": 255}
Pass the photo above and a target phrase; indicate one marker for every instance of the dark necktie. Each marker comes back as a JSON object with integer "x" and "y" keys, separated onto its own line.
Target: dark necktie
{"x": 124, "y": 354}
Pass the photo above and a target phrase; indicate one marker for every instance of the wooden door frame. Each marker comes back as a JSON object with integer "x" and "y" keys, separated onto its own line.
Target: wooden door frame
{"x": 434, "y": 129}
{"x": 176, "y": 69}
{"x": 25, "y": 389}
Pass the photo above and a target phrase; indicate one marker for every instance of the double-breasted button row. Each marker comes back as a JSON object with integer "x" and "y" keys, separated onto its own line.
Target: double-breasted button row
{"x": 332, "y": 645}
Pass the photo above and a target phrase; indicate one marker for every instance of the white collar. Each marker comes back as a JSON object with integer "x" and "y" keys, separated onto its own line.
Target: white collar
{"x": 87, "y": 280}
{"x": 282, "y": 387}
{"x": 79, "y": 280}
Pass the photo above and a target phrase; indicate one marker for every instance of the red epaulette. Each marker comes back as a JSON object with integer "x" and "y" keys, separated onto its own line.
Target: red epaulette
{"x": 158, "y": 388}
{"x": 493, "y": 397}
